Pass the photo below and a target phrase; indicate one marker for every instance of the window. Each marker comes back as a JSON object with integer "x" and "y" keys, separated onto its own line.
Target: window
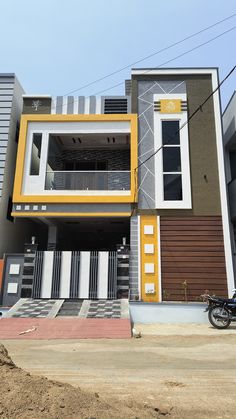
{"x": 172, "y": 168}
{"x": 35, "y": 154}
{"x": 172, "y": 177}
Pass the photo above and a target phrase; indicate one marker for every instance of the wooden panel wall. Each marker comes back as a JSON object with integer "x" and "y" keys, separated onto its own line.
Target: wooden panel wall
{"x": 192, "y": 258}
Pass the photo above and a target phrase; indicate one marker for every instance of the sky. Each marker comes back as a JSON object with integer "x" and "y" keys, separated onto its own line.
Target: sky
{"x": 57, "y": 46}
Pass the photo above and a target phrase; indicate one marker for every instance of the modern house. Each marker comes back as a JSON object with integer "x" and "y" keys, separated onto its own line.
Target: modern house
{"x": 229, "y": 128}
{"x": 131, "y": 197}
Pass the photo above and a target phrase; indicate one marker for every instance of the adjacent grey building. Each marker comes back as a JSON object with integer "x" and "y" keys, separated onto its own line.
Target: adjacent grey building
{"x": 13, "y": 233}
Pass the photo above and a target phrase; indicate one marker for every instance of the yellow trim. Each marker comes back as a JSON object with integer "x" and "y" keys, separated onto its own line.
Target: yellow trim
{"x": 25, "y": 119}
{"x": 150, "y": 220}
{"x": 70, "y": 214}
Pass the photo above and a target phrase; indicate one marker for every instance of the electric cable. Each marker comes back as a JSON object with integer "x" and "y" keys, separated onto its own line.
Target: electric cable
{"x": 151, "y": 55}
{"x": 172, "y": 59}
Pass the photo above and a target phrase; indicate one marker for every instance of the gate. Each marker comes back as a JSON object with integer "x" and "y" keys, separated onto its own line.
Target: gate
{"x": 75, "y": 275}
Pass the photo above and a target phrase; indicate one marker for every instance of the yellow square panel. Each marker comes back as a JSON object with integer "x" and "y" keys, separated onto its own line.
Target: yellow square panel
{"x": 170, "y": 105}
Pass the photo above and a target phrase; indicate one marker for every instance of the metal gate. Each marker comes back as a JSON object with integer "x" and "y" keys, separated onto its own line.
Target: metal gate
{"x": 65, "y": 274}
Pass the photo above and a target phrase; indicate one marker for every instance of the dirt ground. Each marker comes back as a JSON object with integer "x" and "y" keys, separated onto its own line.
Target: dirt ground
{"x": 170, "y": 375}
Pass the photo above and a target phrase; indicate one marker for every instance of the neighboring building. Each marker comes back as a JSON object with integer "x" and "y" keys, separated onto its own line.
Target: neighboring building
{"x": 13, "y": 233}
{"x": 76, "y": 174}
{"x": 229, "y": 128}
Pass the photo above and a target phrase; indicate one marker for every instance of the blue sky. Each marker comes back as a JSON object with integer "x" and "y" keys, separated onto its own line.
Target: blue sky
{"x": 55, "y": 46}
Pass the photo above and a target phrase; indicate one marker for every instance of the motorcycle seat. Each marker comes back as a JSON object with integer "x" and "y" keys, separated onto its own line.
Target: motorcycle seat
{"x": 227, "y": 300}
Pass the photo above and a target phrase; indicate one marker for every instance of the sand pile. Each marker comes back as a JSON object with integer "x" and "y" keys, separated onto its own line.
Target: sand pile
{"x": 27, "y": 396}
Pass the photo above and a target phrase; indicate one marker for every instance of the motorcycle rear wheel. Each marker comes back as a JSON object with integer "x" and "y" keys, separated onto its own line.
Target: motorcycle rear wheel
{"x": 219, "y": 323}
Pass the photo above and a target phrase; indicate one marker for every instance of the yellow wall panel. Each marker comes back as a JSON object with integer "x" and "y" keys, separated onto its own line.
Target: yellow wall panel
{"x": 149, "y": 258}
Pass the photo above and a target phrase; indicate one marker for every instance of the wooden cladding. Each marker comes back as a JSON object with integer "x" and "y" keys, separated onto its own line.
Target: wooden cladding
{"x": 192, "y": 258}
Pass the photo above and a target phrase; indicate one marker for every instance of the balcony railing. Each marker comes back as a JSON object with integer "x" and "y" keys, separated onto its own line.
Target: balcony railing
{"x": 90, "y": 181}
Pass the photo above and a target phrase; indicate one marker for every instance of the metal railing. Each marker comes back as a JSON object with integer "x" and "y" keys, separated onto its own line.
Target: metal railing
{"x": 88, "y": 180}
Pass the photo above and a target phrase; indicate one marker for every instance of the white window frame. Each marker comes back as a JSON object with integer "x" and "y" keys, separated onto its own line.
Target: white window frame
{"x": 186, "y": 202}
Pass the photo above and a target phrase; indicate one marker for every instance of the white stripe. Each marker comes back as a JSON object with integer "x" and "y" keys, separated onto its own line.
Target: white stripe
{"x": 86, "y": 105}
{"x": 84, "y": 274}
{"x": 47, "y": 275}
{"x": 76, "y": 105}
{"x": 65, "y": 275}
{"x": 64, "y": 105}
{"x": 53, "y": 105}
{"x": 102, "y": 288}
{"x": 223, "y": 194}
{"x": 98, "y": 105}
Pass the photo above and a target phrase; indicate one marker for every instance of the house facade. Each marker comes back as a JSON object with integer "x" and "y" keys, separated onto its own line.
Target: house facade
{"x": 128, "y": 196}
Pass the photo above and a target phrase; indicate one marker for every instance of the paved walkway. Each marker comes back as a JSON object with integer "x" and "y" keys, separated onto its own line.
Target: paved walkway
{"x": 64, "y": 328}
{"x": 44, "y": 308}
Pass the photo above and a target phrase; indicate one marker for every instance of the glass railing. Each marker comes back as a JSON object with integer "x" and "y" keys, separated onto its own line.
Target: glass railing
{"x": 88, "y": 181}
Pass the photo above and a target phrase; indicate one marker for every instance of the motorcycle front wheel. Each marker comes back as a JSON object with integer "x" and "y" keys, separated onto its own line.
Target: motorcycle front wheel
{"x": 214, "y": 315}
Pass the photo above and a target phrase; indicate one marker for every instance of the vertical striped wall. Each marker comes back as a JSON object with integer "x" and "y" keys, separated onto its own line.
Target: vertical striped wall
{"x": 6, "y": 99}
{"x": 75, "y": 274}
{"x": 90, "y": 105}
{"x": 149, "y": 258}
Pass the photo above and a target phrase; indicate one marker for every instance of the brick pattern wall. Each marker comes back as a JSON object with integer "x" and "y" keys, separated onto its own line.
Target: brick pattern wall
{"x": 116, "y": 159}
{"x": 133, "y": 267}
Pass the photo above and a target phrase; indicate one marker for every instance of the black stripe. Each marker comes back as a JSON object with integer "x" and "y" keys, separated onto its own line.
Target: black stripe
{"x": 93, "y": 275}
{"x": 56, "y": 275}
{"x": 37, "y": 280}
{"x": 112, "y": 276}
{"x": 74, "y": 275}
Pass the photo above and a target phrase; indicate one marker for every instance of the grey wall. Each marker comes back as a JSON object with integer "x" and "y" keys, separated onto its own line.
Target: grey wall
{"x": 12, "y": 234}
{"x": 9, "y": 299}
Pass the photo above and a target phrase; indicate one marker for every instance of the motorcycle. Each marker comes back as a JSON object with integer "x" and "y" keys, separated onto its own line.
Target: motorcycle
{"x": 221, "y": 311}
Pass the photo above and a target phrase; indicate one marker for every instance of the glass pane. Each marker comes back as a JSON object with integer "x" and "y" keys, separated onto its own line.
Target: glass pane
{"x": 170, "y": 133}
{"x": 35, "y": 154}
{"x": 171, "y": 159}
{"x": 173, "y": 188}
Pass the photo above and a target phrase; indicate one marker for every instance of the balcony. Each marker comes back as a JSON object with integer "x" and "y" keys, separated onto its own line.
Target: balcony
{"x": 81, "y": 180}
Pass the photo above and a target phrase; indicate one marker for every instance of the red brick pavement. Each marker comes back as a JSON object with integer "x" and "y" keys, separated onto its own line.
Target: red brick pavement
{"x": 64, "y": 328}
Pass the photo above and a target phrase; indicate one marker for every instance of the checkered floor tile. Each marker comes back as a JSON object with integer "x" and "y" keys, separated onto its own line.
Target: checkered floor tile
{"x": 34, "y": 308}
{"x": 104, "y": 309}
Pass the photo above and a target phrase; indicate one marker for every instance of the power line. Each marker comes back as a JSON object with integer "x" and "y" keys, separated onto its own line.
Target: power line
{"x": 151, "y": 55}
{"x": 173, "y": 59}
{"x": 166, "y": 62}
{"x": 199, "y": 108}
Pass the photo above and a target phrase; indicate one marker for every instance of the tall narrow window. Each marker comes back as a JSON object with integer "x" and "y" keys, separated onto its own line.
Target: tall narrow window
{"x": 172, "y": 175}
{"x": 35, "y": 154}
{"x": 171, "y": 140}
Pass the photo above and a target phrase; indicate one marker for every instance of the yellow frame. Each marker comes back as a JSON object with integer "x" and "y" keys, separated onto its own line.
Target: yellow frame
{"x": 25, "y": 119}
{"x": 70, "y": 214}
